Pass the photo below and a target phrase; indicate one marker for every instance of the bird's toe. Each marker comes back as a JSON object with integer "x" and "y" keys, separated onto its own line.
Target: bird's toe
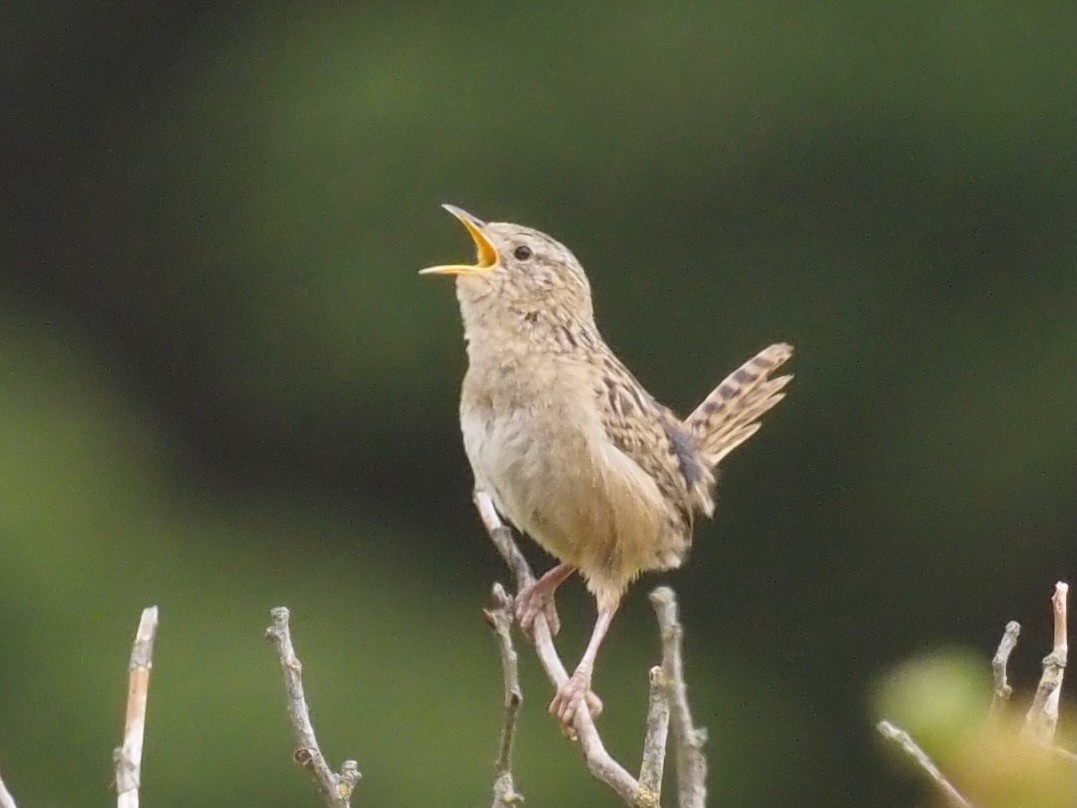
{"x": 570, "y": 696}
{"x": 530, "y": 603}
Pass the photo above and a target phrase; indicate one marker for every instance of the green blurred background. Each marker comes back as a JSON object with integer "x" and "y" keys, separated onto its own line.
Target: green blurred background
{"x": 224, "y": 388}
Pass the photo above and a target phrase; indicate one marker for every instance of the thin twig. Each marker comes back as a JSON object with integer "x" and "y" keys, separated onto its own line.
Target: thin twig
{"x": 599, "y": 762}
{"x": 1042, "y": 717}
{"x": 501, "y": 534}
{"x": 336, "y": 789}
{"x": 688, "y": 740}
{"x": 128, "y": 758}
{"x": 1060, "y": 753}
{"x": 654, "y": 743}
{"x": 999, "y": 663}
{"x": 905, "y": 741}
{"x": 6, "y": 800}
{"x": 500, "y": 620}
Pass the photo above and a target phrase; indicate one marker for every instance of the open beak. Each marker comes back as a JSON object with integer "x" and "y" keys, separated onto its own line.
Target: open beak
{"x": 487, "y": 252}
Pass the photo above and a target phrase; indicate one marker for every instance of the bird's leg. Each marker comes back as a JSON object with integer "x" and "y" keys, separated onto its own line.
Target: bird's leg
{"x": 537, "y": 597}
{"x": 577, "y": 689}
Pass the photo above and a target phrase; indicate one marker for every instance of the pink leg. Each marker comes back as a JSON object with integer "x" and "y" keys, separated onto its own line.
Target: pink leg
{"x": 577, "y": 689}
{"x": 537, "y": 598}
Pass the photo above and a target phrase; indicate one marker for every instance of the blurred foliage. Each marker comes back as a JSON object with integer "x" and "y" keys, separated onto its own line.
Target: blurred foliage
{"x": 224, "y": 388}
{"x": 939, "y": 699}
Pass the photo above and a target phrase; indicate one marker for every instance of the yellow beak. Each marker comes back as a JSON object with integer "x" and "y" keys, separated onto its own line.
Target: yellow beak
{"x": 487, "y": 252}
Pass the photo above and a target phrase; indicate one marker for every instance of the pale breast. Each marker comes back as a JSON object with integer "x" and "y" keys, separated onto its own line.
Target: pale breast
{"x": 526, "y": 438}
{"x": 538, "y": 446}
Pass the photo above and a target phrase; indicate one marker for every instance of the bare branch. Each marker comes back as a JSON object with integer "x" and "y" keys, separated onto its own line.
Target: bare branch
{"x": 1042, "y": 717}
{"x": 6, "y": 800}
{"x": 128, "y": 758}
{"x": 599, "y": 762}
{"x": 654, "y": 743}
{"x": 500, "y": 620}
{"x": 688, "y": 740}
{"x": 501, "y": 534}
{"x": 999, "y": 663}
{"x": 905, "y": 741}
{"x": 336, "y": 789}
{"x": 1060, "y": 753}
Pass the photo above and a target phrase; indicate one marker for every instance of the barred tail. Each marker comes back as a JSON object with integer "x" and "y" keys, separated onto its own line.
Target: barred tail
{"x": 730, "y": 414}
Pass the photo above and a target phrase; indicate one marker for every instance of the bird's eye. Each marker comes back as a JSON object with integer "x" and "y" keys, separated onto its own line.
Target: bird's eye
{"x": 522, "y": 253}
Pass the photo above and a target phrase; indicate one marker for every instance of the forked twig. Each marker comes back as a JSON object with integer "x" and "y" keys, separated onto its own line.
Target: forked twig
{"x": 687, "y": 738}
{"x": 599, "y": 761}
{"x": 913, "y": 750}
{"x": 500, "y": 620}
{"x": 128, "y": 758}
{"x": 336, "y": 789}
{"x": 1042, "y": 717}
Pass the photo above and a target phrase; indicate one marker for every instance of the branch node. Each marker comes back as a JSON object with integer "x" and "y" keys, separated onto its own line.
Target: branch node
{"x": 654, "y": 742}
{"x": 128, "y": 758}
{"x": 336, "y": 788}
{"x": 1041, "y": 720}
{"x": 688, "y": 740}
{"x": 500, "y": 619}
{"x": 599, "y": 762}
{"x": 1003, "y": 691}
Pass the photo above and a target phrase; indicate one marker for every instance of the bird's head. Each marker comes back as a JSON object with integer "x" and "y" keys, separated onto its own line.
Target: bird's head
{"x": 518, "y": 272}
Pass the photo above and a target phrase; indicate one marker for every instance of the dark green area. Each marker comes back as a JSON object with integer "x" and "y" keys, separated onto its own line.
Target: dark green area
{"x": 223, "y": 387}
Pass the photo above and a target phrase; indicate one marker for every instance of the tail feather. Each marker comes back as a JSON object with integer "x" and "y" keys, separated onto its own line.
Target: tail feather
{"x": 729, "y": 415}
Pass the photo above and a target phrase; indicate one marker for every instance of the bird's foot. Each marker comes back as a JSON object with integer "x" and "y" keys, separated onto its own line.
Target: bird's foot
{"x": 570, "y": 697}
{"x": 534, "y": 599}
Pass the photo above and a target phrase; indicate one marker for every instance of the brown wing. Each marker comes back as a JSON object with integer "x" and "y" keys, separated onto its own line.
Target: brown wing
{"x": 655, "y": 440}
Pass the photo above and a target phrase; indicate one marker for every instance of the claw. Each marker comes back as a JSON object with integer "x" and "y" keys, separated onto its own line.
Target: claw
{"x": 573, "y": 693}
{"x": 594, "y": 703}
{"x": 532, "y": 601}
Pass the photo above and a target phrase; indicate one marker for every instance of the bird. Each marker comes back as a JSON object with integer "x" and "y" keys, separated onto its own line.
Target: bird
{"x": 569, "y": 446}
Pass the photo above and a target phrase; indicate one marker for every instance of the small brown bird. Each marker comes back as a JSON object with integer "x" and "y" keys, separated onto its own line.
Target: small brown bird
{"x": 568, "y": 445}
